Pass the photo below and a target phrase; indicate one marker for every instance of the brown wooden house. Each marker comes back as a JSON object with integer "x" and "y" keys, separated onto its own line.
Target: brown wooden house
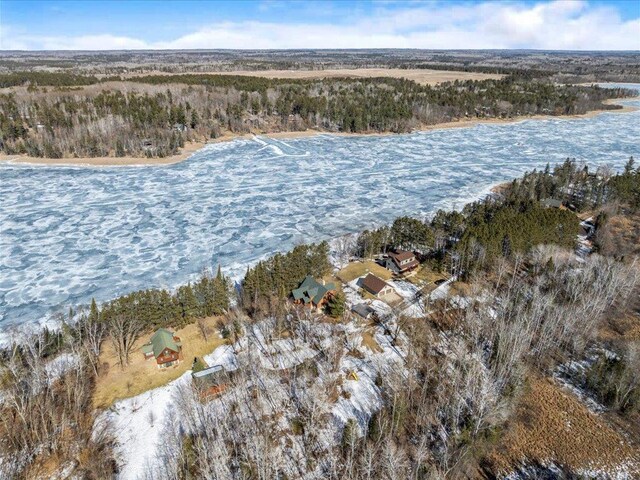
{"x": 401, "y": 261}
{"x": 312, "y": 293}
{"x": 165, "y": 347}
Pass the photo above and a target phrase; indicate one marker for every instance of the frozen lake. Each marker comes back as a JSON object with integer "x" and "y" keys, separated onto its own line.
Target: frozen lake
{"x": 70, "y": 234}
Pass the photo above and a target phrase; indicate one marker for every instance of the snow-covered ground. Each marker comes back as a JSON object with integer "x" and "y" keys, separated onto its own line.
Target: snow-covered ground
{"x": 60, "y": 365}
{"x": 414, "y": 303}
{"x": 137, "y": 424}
{"x": 141, "y": 424}
{"x": 584, "y": 245}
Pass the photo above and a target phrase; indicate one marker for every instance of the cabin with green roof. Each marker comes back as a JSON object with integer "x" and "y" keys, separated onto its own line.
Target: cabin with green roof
{"x": 165, "y": 347}
{"x": 312, "y": 293}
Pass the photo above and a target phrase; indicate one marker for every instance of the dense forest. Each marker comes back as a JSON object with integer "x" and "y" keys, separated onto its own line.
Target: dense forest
{"x": 159, "y": 308}
{"x": 513, "y": 222}
{"x": 59, "y": 115}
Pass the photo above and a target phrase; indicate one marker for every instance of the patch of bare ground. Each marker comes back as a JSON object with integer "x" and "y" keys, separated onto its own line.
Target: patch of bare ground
{"x": 620, "y": 236}
{"x": 370, "y": 342}
{"x": 551, "y": 426}
{"x": 500, "y": 188}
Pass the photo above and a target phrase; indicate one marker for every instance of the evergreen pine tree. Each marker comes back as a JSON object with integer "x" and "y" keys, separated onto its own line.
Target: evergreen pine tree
{"x": 220, "y": 293}
{"x": 336, "y": 305}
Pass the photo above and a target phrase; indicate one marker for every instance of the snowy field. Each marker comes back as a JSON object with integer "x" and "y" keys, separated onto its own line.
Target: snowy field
{"x": 70, "y": 234}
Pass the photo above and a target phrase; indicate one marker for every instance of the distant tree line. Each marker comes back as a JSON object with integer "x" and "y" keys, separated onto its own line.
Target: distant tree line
{"x": 49, "y": 79}
{"x": 521, "y": 73}
{"x": 154, "y": 115}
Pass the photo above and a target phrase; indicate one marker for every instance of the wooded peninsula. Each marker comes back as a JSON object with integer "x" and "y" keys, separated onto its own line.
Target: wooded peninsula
{"x": 65, "y": 115}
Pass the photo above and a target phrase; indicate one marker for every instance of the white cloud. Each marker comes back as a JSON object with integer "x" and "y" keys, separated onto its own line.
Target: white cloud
{"x": 559, "y": 25}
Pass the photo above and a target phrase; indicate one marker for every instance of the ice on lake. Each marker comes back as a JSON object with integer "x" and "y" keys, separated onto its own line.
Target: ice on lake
{"x": 70, "y": 234}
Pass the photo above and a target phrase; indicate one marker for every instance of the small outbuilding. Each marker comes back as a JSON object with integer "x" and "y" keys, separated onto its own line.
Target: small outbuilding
{"x": 211, "y": 381}
{"x": 363, "y": 310}
{"x": 165, "y": 347}
{"x": 551, "y": 203}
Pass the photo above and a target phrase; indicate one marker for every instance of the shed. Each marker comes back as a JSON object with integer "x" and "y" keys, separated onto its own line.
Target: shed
{"x": 551, "y": 203}
{"x": 363, "y": 310}
{"x": 211, "y": 381}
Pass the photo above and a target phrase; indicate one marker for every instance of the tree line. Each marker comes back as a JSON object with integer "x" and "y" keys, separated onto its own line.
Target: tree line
{"x": 159, "y": 308}
{"x": 577, "y": 187}
{"x": 154, "y": 115}
{"x": 512, "y": 222}
{"x": 124, "y": 319}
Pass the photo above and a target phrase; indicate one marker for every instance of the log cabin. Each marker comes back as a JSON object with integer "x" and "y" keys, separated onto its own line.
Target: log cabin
{"x": 312, "y": 293}
{"x": 165, "y": 347}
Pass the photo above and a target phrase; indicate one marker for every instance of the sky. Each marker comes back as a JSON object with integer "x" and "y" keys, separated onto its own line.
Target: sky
{"x": 275, "y": 24}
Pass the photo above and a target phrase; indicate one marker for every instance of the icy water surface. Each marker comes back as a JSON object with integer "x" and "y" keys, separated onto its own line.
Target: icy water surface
{"x": 70, "y": 234}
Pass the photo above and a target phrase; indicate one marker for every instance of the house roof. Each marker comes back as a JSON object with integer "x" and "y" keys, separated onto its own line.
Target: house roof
{"x": 310, "y": 290}
{"x": 160, "y": 340}
{"x": 374, "y": 284}
{"x": 551, "y": 202}
{"x": 362, "y": 309}
{"x": 208, "y": 371}
{"x": 402, "y": 255}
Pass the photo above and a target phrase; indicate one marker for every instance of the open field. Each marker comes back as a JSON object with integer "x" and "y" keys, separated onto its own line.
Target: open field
{"x": 552, "y": 426}
{"x": 418, "y": 75}
{"x": 142, "y": 375}
{"x": 358, "y": 269}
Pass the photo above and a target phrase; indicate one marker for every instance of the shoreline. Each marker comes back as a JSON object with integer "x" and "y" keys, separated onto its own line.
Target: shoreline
{"x": 22, "y": 332}
{"x": 20, "y": 159}
{"x": 192, "y": 147}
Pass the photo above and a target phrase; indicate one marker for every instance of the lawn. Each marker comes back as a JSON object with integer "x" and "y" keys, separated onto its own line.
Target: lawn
{"x": 142, "y": 375}
{"x": 424, "y": 275}
{"x": 358, "y": 269}
{"x": 333, "y": 279}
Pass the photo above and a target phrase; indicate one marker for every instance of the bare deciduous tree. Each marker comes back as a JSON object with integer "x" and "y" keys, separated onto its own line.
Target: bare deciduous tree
{"x": 123, "y": 332}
